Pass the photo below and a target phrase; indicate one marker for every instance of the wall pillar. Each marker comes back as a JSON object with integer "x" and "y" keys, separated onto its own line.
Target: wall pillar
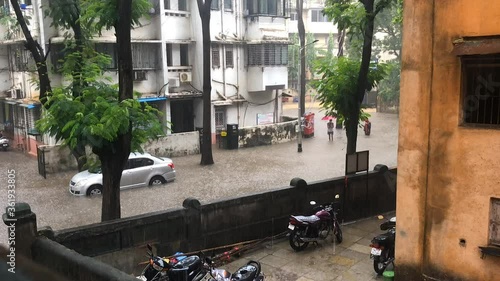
{"x": 21, "y": 227}
{"x": 414, "y": 130}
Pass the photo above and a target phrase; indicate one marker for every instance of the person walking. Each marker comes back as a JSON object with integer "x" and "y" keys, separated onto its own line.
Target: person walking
{"x": 330, "y": 127}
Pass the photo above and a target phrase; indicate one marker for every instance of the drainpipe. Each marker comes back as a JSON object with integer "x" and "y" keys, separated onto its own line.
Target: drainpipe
{"x": 237, "y": 16}
{"x": 223, "y": 62}
{"x": 38, "y": 8}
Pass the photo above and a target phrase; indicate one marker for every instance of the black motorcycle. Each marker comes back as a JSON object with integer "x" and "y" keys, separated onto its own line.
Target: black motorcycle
{"x": 192, "y": 268}
{"x": 163, "y": 269}
{"x": 383, "y": 246}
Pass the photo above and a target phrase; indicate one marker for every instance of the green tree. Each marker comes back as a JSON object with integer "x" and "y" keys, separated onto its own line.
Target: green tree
{"x": 337, "y": 91}
{"x": 310, "y": 52}
{"x": 357, "y": 17}
{"x": 293, "y": 58}
{"x": 206, "y": 144}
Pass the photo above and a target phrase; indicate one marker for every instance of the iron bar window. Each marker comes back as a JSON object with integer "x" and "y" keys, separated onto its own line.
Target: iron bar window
{"x": 481, "y": 90}
{"x": 229, "y": 56}
{"x": 267, "y": 55}
{"x": 215, "y": 56}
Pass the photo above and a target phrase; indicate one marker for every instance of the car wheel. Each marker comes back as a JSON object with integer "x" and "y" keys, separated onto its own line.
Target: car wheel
{"x": 157, "y": 180}
{"x": 94, "y": 190}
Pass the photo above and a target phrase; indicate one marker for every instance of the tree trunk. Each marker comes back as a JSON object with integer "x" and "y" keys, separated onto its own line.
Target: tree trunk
{"x": 341, "y": 40}
{"x": 352, "y": 123}
{"x": 114, "y": 157}
{"x": 81, "y": 157}
{"x": 38, "y": 55}
{"x": 302, "y": 39}
{"x": 206, "y": 142}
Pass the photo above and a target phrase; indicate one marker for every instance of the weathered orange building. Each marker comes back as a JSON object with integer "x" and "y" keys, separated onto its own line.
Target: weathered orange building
{"x": 448, "y": 201}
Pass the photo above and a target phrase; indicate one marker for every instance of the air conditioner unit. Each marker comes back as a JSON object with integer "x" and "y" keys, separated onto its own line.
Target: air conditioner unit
{"x": 140, "y": 75}
{"x": 173, "y": 83}
{"x": 185, "y": 77}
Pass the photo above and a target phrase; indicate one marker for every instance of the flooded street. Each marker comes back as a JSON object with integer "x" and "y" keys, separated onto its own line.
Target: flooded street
{"x": 235, "y": 172}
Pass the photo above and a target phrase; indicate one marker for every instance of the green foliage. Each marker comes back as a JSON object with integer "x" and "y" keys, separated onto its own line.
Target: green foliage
{"x": 310, "y": 52}
{"x": 388, "y": 89}
{"x": 12, "y": 25}
{"x": 337, "y": 87}
{"x": 103, "y": 14}
{"x": 293, "y": 57}
{"x": 97, "y": 118}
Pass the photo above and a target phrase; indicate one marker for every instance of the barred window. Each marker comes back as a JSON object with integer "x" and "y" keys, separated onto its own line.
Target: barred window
{"x": 215, "y": 56}
{"x": 228, "y": 5}
{"x": 108, "y": 49}
{"x": 145, "y": 56}
{"x": 267, "y": 55}
{"x": 215, "y": 5}
{"x": 317, "y": 16}
{"x": 494, "y": 232}
{"x": 481, "y": 90}
{"x": 267, "y": 7}
{"x": 229, "y": 56}
{"x": 183, "y": 5}
{"x": 21, "y": 58}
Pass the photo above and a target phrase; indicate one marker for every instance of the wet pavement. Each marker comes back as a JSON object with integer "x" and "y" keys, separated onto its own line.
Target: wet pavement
{"x": 325, "y": 261}
{"x": 235, "y": 172}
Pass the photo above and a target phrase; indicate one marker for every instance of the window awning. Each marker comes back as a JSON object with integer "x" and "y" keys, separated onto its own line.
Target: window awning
{"x": 467, "y": 46}
{"x": 148, "y": 99}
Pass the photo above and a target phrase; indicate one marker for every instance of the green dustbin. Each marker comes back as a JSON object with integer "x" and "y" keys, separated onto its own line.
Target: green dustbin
{"x": 388, "y": 275}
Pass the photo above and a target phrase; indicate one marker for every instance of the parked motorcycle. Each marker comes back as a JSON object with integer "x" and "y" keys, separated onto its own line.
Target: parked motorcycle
{"x": 162, "y": 269}
{"x": 306, "y": 229}
{"x": 191, "y": 268}
{"x": 249, "y": 272}
{"x": 383, "y": 246}
{"x": 4, "y": 143}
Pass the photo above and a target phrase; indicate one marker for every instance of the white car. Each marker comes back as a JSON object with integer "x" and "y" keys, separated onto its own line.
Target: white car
{"x": 142, "y": 169}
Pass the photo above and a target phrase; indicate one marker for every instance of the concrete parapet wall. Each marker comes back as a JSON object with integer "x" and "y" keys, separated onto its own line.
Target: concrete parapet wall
{"x": 267, "y": 134}
{"x": 73, "y": 265}
{"x": 121, "y": 243}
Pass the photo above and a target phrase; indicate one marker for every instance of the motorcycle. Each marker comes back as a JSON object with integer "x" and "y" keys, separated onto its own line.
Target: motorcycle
{"x": 383, "y": 246}
{"x": 306, "y": 229}
{"x": 162, "y": 269}
{"x": 191, "y": 268}
{"x": 249, "y": 272}
{"x": 4, "y": 143}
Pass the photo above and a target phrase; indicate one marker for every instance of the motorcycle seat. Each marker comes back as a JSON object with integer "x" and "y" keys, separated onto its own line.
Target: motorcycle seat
{"x": 307, "y": 219}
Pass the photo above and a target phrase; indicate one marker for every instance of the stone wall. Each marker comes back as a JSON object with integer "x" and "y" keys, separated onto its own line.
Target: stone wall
{"x": 179, "y": 144}
{"x": 58, "y": 158}
{"x": 267, "y": 134}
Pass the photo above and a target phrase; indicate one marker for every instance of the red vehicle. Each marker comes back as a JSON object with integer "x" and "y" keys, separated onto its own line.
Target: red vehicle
{"x": 305, "y": 229}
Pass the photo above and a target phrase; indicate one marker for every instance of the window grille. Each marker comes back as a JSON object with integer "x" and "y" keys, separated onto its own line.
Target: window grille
{"x": 228, "y": 5}
{"x": 317, "y": 16}
{"x": 215, "y": 5}
{"x": 229, "y": 56}
{"x": 145, "y": 56}
{"x": 494, "y": 231}
{"x": 481, "y": 90}
{"x": 215, "y": 56}
{"x": 267, "y": 54}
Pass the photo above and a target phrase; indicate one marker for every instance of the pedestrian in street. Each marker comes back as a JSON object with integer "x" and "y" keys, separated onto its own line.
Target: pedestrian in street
{"x": 368, "y": 127}
{"x": 330, "y": 127}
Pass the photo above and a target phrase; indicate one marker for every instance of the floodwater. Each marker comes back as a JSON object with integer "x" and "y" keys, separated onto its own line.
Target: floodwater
{"x": 235, "y": 173}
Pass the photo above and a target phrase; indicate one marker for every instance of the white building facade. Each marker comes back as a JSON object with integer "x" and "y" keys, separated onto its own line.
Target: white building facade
{"x": 249, "y": 58}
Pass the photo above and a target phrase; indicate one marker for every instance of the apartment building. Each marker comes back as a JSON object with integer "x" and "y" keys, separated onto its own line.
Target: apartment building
{"x": 249, "y": 64}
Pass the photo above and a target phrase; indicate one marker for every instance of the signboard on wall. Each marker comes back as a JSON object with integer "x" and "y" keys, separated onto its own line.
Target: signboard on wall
{"x": 265, "y": 118}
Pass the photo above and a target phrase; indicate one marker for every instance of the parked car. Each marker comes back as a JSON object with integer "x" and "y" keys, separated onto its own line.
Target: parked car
{"x": 142, "y": 169}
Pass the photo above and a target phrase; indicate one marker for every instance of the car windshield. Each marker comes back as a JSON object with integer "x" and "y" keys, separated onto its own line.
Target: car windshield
{"x": 95, "y": 170}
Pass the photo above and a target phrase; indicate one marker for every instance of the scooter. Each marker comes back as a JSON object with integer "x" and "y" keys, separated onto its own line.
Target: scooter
{"x": 306, "y": 229}
{"x": 249, "y": 272}
{"x": 382, "y": 252}
{"x": 4, "y": 143}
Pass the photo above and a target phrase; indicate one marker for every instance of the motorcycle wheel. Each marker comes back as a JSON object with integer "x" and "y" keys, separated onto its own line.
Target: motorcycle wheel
{"x": 338, "y": 233}
{"x": 295, "y": 242}
{"x": 379, "y": 263}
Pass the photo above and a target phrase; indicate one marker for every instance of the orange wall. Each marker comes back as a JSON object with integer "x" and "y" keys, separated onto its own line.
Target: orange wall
{"x": 446, "y": 173}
